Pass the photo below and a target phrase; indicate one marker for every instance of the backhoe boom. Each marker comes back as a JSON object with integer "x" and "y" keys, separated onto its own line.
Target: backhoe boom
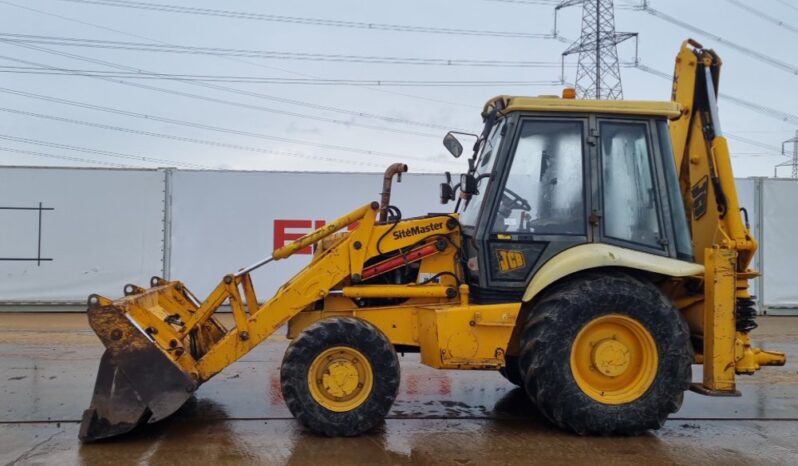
{"x": 721, "y": 239}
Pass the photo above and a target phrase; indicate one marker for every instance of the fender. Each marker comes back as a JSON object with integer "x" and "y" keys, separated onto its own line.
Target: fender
{"x": 591, "y": 256}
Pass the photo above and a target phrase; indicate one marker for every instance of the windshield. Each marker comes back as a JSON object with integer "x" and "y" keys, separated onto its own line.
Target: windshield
{"x": 544, "y": 191}
{"x": 485, "y": 162}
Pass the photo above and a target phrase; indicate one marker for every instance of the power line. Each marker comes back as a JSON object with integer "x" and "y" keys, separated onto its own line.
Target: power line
{"x": 754, "y": 154}
{"x": 263, "y": 96}
{"x": 261, "y": 65}
{"x": 761, "y": 131}
{"x": 787, "y": 4}
{"x": 762, "y": 109}
{"x": 191, "y": 95}
{"x": 64, "y": 157}
{"x": 767, "y": 111}
{"x": 776, "y": 63}
{"x": 252, "y": 94}
{"x": 665, "y": 76}
{"x": 256, "y": 95}
{"x": 549, "y": 3}
{"x": 771, "y": 112}
{"x": 528, "y": 2}
{"x": 201, "y": 126}
{"x": 768, "y": 18}
{"x": 268, "y": 80}
{"x": 90, "y": 23}
{"x": 185, "y": 139}
{"x": 88, "y": 150}
{"x": 310, "y": 21}
{"x": 752, "y": 142}
{"x": 196, "y": 96}
{"x": 271, "y": 97}
{"x": 272, "y": 54}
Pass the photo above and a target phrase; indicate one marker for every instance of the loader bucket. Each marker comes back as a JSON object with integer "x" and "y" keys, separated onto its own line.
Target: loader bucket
{"x": 136, "y": 384}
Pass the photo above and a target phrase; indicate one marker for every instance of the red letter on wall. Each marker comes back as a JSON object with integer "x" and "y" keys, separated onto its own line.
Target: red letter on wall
{"x": 281, "y": 236}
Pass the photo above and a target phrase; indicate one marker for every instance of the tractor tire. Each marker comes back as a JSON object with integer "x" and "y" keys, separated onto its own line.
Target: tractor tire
{"x": 606, "y": 354}
{"x": 340, "y": 377}
{"x": 511, "y": 371}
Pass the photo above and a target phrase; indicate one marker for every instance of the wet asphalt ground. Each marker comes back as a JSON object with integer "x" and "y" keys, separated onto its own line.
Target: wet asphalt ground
{"x": 48, "y": 363}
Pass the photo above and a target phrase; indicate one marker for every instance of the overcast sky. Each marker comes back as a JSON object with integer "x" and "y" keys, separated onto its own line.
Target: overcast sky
{"x": 292, "y": 126}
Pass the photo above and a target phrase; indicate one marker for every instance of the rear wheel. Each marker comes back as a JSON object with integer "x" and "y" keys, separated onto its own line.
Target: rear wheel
{"x": 511, "y": 371}
{"x": 340, "y": 376}
{"x": 606, "y": 354}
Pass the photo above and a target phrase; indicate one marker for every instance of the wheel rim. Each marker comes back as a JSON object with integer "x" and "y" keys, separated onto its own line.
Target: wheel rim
{"x": 614, "y": 359}
{"x": 340, "y": 378}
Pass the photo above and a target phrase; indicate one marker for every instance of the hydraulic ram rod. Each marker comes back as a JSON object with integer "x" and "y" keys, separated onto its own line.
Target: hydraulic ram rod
{"x": 313, "y": 237}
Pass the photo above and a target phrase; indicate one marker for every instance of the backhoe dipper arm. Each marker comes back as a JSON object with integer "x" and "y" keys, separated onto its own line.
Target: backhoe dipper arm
{"x": 702, "y": 157}
{"x": 722, "y": 241}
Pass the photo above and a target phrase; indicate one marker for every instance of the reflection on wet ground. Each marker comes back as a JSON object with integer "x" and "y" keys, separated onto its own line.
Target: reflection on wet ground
{"x": 440, "y": 417}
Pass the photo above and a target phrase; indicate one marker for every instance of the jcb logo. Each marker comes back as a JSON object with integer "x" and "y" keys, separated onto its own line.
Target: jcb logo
{"x": 510, "y": 260}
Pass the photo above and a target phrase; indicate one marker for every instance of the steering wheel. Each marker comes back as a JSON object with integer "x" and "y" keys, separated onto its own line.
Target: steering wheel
{"x": 514, "y": 200}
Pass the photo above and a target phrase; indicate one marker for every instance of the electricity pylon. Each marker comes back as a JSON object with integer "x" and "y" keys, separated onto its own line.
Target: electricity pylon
{"x": 598, "y": 74}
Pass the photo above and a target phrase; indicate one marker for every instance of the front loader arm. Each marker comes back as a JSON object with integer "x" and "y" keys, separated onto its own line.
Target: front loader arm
{"x": 312, "y": 283}
{"x": 722, "y": 241}
{"x": 167, "y": 328}
{"x": 341, "y": 267}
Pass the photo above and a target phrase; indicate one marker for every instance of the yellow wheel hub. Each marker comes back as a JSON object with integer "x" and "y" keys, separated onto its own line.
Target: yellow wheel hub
{"x": 614, "y": 359}
{"x": 610, "y": 357}
{"x": 340, "y": 378}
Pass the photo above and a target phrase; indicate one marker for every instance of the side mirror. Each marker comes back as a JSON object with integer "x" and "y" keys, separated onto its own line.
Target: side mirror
{"x": 447, "y": 193}
{"x": 451, "y": 144}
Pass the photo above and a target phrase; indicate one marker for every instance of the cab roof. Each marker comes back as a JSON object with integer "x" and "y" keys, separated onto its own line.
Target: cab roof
{"x": 548, "y": 104}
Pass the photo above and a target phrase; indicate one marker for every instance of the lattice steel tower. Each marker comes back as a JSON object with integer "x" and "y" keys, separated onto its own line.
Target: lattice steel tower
{"x": 794, "y": 162}
{"x": 598, "y": 74}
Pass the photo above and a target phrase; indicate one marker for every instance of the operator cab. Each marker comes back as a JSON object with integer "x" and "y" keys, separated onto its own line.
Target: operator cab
{"x": 549, "y": 174}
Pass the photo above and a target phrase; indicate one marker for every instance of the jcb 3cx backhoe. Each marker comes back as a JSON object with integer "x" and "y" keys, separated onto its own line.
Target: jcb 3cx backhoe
{"x": 596, "y": 252}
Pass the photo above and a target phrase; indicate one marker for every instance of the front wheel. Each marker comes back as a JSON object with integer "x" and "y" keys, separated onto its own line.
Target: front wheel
{"x": 340, "y": 376}
{"x": 606, "y": 354}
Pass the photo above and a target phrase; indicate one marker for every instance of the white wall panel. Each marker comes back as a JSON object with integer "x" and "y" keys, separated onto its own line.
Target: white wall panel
{"x": 222, "y": 221}
{"x": 106, "y": 226}
{"x": 105, "y": 229}
{"x": 780, "y": 202}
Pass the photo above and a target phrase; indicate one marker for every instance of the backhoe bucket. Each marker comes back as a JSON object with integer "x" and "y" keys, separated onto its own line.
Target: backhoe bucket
{"x": 136, "y": 384}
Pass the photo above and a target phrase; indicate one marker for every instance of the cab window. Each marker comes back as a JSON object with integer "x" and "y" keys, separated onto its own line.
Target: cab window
{"x": 628, "y": 193}
{"x": 684, "y": 242}
{"x": 544, "y": 190}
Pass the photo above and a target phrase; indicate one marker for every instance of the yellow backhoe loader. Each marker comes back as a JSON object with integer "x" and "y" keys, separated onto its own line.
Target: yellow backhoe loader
{"x": 596, "y": 251}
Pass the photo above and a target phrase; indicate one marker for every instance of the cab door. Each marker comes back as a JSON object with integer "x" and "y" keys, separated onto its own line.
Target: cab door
{"x": 539, "y": 206}
{"x": 629, "y": 194}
